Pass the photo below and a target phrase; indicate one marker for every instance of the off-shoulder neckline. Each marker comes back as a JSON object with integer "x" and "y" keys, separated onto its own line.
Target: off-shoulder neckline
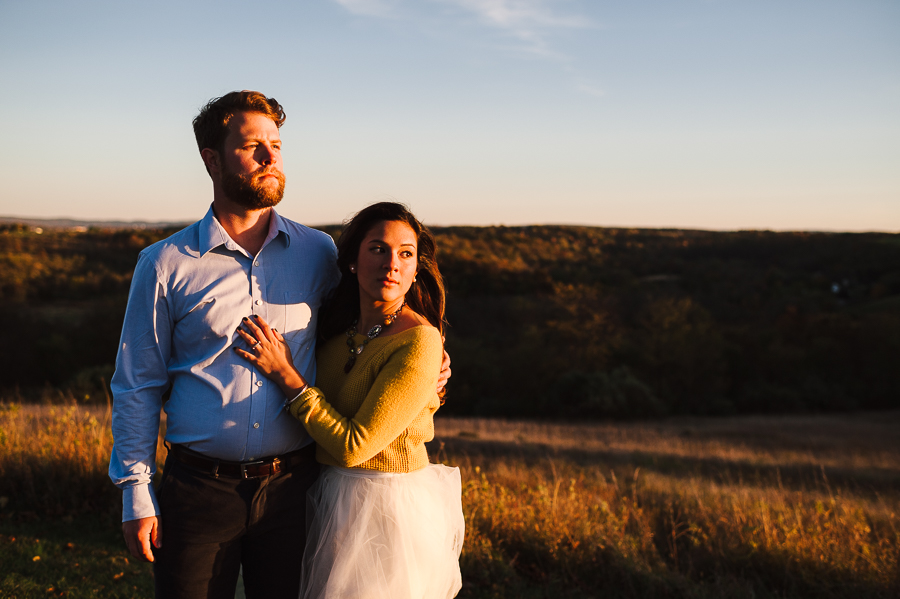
{"x": 392, "y": 335}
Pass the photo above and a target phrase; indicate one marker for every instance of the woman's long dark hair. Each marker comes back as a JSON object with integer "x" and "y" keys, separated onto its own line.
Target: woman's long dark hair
{"x": 425, "y": 296}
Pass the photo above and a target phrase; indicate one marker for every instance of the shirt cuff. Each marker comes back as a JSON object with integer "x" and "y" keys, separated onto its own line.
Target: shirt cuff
{"x": 139, "y": 501}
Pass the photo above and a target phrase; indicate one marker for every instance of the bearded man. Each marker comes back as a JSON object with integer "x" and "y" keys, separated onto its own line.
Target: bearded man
{"x": 233, "y": 490}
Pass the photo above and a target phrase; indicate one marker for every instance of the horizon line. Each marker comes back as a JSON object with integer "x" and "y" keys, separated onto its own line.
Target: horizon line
{"x": 125, "y": 224}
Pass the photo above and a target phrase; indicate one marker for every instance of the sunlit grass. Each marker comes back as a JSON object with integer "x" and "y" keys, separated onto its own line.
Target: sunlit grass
{"x": 54, "y": 459}
{"x": 723, "y": 508}
{"x": 742, "y": 507}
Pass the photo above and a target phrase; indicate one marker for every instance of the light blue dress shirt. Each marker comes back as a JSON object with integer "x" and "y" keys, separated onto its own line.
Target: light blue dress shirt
{"x": 188, "y": 296}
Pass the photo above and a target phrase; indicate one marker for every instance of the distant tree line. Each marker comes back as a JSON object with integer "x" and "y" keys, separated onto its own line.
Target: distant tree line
{"x": 551, "y": 321}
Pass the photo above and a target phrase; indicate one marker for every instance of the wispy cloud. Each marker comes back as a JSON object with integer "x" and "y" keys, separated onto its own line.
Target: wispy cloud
{"x": 531, "y": 23}
{"x": 372, "y": 8}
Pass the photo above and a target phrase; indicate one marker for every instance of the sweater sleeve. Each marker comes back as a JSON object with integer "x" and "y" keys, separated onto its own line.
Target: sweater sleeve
{"x": 401, "y": 390}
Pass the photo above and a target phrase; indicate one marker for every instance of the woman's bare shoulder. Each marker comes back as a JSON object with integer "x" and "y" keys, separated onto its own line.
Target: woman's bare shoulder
{"x": 411, "y": 320}
{"x": 407, "y": 320}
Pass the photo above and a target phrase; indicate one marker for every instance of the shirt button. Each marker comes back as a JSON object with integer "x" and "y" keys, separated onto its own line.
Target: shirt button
{"x": 259, "y": 383}
{"x": 255, "y": 425}
{"x": 256, "y": 263}
{"x": 258, "y": 302}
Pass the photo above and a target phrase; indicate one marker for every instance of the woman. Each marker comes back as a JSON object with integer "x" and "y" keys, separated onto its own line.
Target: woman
{"x": 383, "y": 522}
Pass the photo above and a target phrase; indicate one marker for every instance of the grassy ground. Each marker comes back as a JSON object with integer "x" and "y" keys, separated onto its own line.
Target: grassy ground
{"x": 738, "y": 507}
{"x": 73, "y": 557}
{"x": 743, "y": 507}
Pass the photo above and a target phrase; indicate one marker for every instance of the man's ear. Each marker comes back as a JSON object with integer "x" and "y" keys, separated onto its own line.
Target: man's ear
{"x": 212, "y": 160}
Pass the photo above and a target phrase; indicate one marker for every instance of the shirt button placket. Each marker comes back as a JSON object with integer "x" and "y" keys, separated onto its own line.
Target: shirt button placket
{"x": 258, "y": 397}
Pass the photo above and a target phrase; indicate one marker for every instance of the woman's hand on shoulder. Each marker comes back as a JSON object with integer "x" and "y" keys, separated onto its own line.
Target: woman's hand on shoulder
{"x": 268, "y": 351}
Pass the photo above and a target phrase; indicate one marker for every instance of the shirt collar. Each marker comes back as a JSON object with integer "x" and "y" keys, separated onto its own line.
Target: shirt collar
{"x": 213, "y": 234}
{"x": 276, "y": 226}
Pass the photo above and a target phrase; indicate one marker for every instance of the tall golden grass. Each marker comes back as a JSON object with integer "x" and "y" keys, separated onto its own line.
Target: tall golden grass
{"x": 741, "y": 507}
{"x": 54, "y": 459}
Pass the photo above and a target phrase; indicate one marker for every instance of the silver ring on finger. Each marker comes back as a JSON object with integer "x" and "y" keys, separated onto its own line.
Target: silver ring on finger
{"x": 258, "y": 343}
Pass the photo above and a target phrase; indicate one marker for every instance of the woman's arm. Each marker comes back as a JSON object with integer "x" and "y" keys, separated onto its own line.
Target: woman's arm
{"x": 401, "y": 390}
{"x": 274, "y": 358}
{"x": 271, "y": 356}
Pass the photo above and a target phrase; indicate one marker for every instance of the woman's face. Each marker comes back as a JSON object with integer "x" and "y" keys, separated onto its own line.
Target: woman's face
{"x": 387, "y": 262}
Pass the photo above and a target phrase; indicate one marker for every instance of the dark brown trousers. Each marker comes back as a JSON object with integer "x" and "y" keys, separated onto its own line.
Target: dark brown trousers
{"x": 212, "y": 526}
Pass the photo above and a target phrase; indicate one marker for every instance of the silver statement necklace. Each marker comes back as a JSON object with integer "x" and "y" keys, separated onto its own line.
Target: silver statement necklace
{"x": 355, "y": 350}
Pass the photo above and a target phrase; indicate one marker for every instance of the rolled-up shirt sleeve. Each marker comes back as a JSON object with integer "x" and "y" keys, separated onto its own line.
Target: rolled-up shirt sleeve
{"x": 140, "y": 379}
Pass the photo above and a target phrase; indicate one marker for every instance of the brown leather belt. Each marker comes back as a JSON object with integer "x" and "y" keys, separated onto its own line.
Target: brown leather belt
{"x": 255, "y": 469}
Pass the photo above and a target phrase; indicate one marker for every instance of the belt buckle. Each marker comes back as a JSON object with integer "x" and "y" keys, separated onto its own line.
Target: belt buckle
{"x": 245, "y": 464}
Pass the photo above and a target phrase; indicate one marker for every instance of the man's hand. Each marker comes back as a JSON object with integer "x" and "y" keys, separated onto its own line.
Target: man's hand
{"x": 139, "y": 534}
{"x": 445, "y": 372}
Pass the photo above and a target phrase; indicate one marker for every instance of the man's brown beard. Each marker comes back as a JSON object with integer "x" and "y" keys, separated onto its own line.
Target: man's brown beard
{"x": 249, "y": 192}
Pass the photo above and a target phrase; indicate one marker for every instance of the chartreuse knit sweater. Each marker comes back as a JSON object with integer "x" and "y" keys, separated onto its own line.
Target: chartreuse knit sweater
{"x": 380, "y": 414}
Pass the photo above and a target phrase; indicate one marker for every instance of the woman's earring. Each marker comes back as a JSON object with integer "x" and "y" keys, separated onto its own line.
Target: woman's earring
{"x": 352, "y": 269}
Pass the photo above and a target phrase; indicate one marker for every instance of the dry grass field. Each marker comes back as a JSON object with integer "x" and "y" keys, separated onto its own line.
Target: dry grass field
{"x": 727, "y": 507}
{"x": 738, "y": 507}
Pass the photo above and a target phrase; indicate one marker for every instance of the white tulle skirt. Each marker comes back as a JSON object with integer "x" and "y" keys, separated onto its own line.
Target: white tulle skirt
{"x": 382, "y": 535}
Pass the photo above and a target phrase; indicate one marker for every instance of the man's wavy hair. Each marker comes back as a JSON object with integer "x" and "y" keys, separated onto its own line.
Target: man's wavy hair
{"x": 425, "y": 296}
{"x": 211, "y": 125}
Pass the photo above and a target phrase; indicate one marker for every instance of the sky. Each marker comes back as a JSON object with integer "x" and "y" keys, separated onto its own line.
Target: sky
{"x": 703, "y": 114}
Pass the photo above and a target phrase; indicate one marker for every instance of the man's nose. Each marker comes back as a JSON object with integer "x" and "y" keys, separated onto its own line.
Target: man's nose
{"x": 266, "y": 155}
